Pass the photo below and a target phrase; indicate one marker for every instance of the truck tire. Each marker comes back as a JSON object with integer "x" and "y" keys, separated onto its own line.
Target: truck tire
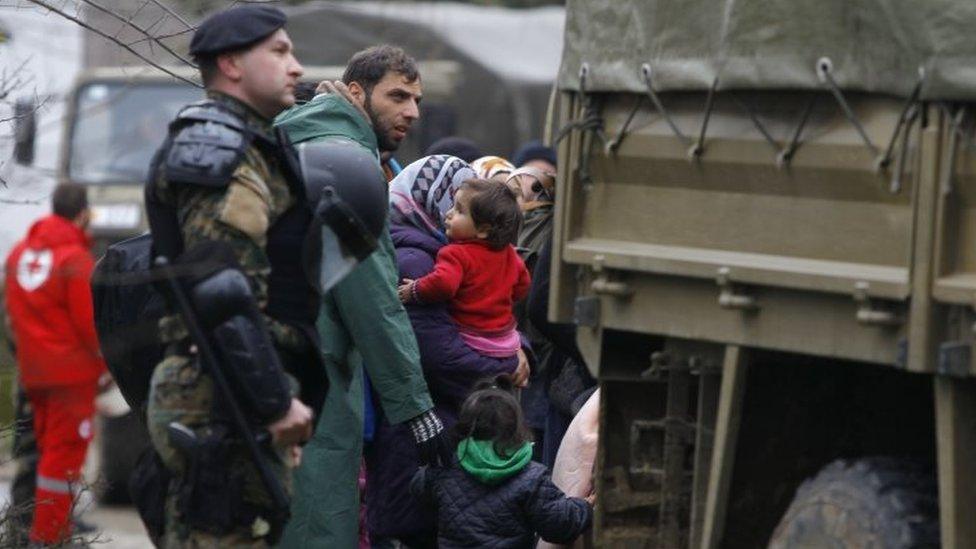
{"x": 876, "y": 502}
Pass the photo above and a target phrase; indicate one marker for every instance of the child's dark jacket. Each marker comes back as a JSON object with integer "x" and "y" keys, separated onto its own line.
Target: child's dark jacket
{"x": 507, "y": 515}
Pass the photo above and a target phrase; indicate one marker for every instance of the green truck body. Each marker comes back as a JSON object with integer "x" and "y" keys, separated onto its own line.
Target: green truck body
{"x": 766, "y": 235}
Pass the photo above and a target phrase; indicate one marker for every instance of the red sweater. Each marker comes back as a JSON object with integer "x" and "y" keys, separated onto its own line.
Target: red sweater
{"x": 50, "y": 305}
{"x": 481, "y": 284}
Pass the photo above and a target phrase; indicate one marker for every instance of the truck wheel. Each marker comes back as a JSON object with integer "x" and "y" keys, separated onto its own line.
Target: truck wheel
{"x": 880, "y": 502}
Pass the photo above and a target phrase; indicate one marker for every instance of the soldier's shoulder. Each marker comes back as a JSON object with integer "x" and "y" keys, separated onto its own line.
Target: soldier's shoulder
{"x": 207, "y": 145}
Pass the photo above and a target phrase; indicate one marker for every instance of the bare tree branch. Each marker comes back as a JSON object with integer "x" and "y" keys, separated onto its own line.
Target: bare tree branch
{"x": 173, "y": 14}
{"x": 78, "y": 21}
{"x": 162, "y": 36}
{"x": 9, "y": 83}
{"x": 156, "y": 24}
{"x": 36, "y": 107}
{"x": 144, "y": 31}
{"x": 26, "y": 202}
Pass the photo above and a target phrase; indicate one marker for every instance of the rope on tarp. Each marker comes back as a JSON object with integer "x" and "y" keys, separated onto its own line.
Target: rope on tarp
{"x": 957, "y": 127}
{"x": 948, "y": 177}
{"x": 894, "y": 187}
{"x": 590, "y": 121}
{"x": 885, "y": 160}
{"x": 614, "y": 143}
{"x": 824, "y": 71}
{"x": 590, "y": 125}
{"x": 785, "y": 156}
{"x": 646, "y": 73}
{"x": 756, "y": 122}
{"x": 699, "y": 147}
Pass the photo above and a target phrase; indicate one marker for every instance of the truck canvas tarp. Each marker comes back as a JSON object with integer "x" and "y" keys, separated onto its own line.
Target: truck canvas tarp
{"x": 874, "y": 45}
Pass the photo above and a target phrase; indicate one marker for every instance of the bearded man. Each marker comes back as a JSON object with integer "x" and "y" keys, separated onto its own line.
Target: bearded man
{"x": 362, "y": 325}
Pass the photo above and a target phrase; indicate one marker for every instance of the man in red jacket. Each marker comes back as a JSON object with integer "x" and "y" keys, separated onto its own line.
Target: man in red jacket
{"x": 50, "y": 306}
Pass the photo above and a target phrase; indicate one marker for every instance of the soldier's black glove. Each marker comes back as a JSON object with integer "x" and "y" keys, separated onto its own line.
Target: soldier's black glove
{"x": 428, "y": 432}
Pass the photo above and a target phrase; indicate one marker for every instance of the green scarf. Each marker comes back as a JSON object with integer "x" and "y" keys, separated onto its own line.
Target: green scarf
{"x": 478, "y": 458}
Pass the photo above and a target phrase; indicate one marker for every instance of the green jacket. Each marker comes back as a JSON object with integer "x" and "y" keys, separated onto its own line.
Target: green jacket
{"x": 362, "y": 323}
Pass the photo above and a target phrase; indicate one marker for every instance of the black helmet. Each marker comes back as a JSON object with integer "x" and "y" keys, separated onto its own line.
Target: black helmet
{"x": 347, "y": 193}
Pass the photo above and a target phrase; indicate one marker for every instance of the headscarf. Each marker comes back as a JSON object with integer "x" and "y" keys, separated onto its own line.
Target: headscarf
{"x": 488, "y": 167}
{"x": 423, "y": 192}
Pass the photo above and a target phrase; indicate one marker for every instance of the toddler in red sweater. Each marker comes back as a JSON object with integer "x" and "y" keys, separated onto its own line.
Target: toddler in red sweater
{"x": 479, "y": 272}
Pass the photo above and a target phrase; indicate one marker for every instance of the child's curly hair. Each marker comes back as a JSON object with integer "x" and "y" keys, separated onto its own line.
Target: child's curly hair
{"x": 491, "y": 412}
{"x": 494, "y": 204}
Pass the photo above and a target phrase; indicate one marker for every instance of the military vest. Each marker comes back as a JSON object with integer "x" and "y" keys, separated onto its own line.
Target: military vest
{"x": 205, "y": 144}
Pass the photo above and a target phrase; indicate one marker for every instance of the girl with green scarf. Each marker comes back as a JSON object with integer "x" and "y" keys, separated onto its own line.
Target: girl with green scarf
{"x": 495, "y": 496}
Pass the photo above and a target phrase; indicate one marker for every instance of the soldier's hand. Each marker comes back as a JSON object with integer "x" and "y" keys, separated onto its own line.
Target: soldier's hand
{"x": 295, "y": 427}
{"x": 337, "y": 87}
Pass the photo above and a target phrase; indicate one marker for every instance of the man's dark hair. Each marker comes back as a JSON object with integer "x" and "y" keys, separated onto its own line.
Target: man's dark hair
{"x": 208, "y": 64}
{"x": 491, "y": 412}
{"x": 493, "y": 204}
{"x": 69, "y": 200}
{"x": 208, "y": 68}
{"x": 305, "y": 91}
{"x": 369, "y": 66}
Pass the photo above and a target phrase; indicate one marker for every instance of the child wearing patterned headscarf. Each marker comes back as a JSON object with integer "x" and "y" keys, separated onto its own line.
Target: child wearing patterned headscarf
{"x": 422, "y": 194}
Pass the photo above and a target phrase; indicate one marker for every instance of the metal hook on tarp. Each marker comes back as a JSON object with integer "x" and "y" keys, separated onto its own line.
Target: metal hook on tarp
{"x": 824, "y": 72}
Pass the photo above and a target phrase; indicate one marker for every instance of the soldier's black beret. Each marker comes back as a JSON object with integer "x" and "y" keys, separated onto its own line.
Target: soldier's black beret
{"x": 235, "y": 29}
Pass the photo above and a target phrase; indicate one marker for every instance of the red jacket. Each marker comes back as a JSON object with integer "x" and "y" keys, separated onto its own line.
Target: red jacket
{"x": 482, "y": 284}
{"x": 50, "y": 305}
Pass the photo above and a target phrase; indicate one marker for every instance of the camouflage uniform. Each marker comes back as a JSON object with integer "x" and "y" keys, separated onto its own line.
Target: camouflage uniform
{"x": 240, "y": 215}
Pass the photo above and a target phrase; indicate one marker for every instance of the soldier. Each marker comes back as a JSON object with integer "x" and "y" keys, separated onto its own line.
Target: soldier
{"x": 226, "y": 183}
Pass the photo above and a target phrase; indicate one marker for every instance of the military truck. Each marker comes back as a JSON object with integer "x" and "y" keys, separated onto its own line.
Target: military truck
{"x": 766, "y": 236}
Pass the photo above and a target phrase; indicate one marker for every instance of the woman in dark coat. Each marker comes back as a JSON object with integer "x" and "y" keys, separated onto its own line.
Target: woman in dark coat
{"x": 420, "y": 196}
